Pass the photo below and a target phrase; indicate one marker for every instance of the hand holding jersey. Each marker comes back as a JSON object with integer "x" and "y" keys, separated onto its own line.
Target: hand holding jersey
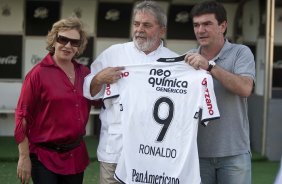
{"x": 109, "y": 75}
{"x": 197, "y": 61}
{"x": 159, "y": 131}
{"x": 224, "y": 147}
{"x": 149, "y": 24}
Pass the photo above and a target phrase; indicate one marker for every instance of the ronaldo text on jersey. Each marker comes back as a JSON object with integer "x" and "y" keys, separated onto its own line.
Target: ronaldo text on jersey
{"x": 162, "y": 105}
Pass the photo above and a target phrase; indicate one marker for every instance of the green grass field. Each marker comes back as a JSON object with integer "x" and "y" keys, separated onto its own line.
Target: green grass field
{"x": 264, "y": 171}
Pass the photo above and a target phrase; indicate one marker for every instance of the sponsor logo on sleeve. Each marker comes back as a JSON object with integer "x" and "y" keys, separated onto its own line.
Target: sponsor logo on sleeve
{"x": 207, "y": 97}
{"x": 124, "y": 74}
{"x": 108, "y": 89}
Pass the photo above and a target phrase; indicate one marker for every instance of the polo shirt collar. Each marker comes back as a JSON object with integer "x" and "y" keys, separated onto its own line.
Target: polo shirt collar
{"x": 220, "y": 55}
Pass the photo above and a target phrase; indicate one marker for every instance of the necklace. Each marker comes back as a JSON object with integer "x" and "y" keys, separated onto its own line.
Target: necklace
{"x": 71, "y": 76}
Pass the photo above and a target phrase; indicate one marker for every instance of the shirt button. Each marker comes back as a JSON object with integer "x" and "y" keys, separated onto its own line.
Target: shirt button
{"x": 74, "y": 90}
{"x": 76, "y": 105}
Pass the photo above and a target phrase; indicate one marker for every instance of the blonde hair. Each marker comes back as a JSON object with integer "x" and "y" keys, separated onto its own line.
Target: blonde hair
{"x": 63, "y": 25}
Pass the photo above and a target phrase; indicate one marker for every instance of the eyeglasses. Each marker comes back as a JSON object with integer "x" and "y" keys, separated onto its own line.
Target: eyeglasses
{"x": 65, "y": 40}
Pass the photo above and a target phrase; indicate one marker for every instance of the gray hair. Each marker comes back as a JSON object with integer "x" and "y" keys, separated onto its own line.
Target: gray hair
{"x": 154, "y": 8}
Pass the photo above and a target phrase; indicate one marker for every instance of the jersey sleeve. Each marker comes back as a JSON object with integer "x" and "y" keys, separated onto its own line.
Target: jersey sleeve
{"x": 209, "y": 109}
{"x": 96, "y": 66}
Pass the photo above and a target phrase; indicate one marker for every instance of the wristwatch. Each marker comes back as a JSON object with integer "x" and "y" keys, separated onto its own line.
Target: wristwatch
{"x": 211, "y": 65}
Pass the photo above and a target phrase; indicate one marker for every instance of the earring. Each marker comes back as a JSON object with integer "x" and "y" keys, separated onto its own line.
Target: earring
{"x": 77, "y": 53}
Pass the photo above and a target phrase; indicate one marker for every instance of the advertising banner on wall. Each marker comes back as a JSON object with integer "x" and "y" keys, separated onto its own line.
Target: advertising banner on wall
{"x": 277, "y": 67}
{"x": 34, "y": 52}
{"x": 11, "y": 16}
{"x": 250, "y": 21}
{"x": 40, "y": 16}
{"x": 179, "y": 22}
{"x": 11, "y": 56}
{"x": 278, "y": 26}
{"x": 232, "y": 19}
{"x": 114, "y": 19}
{"x": 83, "y": 9}
{"x": 88, "y": 55}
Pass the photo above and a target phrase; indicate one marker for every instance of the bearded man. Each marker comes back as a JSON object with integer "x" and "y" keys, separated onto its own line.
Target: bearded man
{"x": 148, "y": 27}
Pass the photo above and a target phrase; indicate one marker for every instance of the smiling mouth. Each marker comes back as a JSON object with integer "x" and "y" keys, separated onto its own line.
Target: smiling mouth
{"x": 140, "y": 39}
{"x": 66, "y": 52}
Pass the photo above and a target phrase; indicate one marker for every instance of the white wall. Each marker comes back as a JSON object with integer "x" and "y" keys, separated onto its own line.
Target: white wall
{"x": 12, "y": 17}
{"x": 181, "y": 46}
{"x": 9, "y": 94}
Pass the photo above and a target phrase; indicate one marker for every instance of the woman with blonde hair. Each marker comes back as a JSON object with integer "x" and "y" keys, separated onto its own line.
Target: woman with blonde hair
{"x": 52, "y": 113}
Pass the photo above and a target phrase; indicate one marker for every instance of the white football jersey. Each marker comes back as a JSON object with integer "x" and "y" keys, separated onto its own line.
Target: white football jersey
{"x": 162, "y": 105}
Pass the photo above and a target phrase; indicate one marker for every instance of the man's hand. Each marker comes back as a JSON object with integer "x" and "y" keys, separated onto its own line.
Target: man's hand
{"x": 106, "y": 76}
{"x": 109, "y": 75}
{"x": 197, "y": 61}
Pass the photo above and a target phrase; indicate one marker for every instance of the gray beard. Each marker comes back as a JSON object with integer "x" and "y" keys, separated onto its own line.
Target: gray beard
{"x": 144, "y": 46}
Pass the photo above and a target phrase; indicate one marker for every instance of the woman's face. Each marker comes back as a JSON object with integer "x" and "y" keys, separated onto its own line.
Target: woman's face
{"x": 66, "y": 45}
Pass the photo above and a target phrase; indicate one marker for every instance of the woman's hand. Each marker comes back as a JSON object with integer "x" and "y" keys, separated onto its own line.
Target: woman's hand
{"x": 24, "y": 169}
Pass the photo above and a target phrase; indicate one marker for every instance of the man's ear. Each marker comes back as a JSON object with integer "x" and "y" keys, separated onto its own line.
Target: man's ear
{"x": 163, "y": 31}
{"x": 223, "y": 26}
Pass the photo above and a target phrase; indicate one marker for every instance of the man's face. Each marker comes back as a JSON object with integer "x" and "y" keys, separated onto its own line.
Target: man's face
{"x": 146, "y": 32}
{"x": 207, "y": 30}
